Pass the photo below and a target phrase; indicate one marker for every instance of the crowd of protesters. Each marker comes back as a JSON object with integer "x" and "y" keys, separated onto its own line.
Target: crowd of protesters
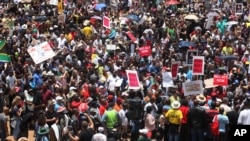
{"x": 76, "y": 96}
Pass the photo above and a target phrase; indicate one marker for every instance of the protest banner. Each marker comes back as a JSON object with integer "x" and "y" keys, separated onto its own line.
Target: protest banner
{"x": 175, "y": 69}
{"x": 131, "y": 36}
{"x": 198, "y": 65}
{"x": 238, "y": 8}
{"x": 192, "y": 87}
{"x": 133, "y": 80}
{"x": 106, "y": 22}
{"x": 220, "y": 80}
{"x": 145, "y": 51}
{"x": 41, "y": 52}
{"x": 167, "y": 80}
{"x": 209, "y": 83}
{"x": 189, "y": 56}
{"x": 53, "y": 2}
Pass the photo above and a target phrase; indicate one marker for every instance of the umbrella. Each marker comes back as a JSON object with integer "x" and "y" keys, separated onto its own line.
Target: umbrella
{"x": 172, "y": 2}
{"x": 96, "y": 17}
{"x": 184, "y": 44}
{"x": 228, "y": 57}
{"x": 232, "y": 23}
{"x": 134, "y": 17}
{"x": 212, "y": 14}
{"x": 148, "y": 30}
{"x": 40, "y": 18}
{"x": 191, "y": 17}
{"x": 100, "y": 6}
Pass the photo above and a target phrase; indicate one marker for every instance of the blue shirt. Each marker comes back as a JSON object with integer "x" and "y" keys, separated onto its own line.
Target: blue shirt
{"x": 223, "y": 121}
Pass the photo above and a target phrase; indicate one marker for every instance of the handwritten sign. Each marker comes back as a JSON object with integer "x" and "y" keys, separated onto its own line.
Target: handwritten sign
{"x": 41, "y": 52}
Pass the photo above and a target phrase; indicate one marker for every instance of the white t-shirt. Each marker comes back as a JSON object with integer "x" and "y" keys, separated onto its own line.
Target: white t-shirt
{"x": 99, "y": 137}
{"x": 244, "y": 117}
{"x": 112, "y": 82}
{"x": 122, "y": 115}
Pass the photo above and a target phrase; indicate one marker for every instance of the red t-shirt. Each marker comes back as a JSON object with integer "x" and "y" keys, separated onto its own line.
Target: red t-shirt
{"x": 184, "y": 110}
{"x": 102, "y": 109}
{"x": 75, "y": 104}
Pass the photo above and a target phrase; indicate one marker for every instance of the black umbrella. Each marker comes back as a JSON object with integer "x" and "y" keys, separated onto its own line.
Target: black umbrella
{"x": 229, "y": 57}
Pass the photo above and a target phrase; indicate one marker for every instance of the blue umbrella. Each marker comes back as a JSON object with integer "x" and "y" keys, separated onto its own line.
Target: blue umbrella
{"x": 186, "y": 44}
{"x": 229, "y": 57}
{"x": 100, "y": 6}
{"x": 134, "y": 17}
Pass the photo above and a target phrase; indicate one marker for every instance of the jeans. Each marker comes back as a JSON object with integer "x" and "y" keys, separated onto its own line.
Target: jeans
{"x": 173, "y": 137}
{"x": 197, "y": 134}
{"x": 2, "y": 136}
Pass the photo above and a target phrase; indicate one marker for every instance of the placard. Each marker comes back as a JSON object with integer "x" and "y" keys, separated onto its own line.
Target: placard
{"x": 111, "y": 47}
{"x": 41, "y": 52}
{"x": 133, "y": 80}
{"x": 238, "y": 8}
{"x": 145, "y": 51}
{"x": 198, "y": 65}
{"x": 220, "y": 80}
{"x": 106, "y": 22}
{"x": 53, "y": 2}
{"x": 189, "y": 56}
{"x": 167, "y": 80}
{"x": 192, "y": 87}
{"x": 175, "y": 69}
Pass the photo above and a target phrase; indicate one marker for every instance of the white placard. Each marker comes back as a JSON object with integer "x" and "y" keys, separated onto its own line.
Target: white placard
{"x": 167, "y": 80}
{"x": 41, "y": 52}
{"x": 53, "y": 2}
{"x": 111, "y": 47}
{"x": 192, "y": 87}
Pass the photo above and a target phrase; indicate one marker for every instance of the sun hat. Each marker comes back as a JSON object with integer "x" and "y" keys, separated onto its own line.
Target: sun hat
{"x": 43, "y": 131}
{"x": 201, "y": 98}
{"x": 143, "y": 131}
{"x": 175, "y": 104}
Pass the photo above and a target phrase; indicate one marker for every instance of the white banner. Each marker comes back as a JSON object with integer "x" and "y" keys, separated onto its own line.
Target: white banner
{"x": 41, "y": 52}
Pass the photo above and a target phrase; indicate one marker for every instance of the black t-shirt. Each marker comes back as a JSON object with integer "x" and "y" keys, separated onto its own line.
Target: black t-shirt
{"x": 233, "y": 117}
{"x": 50, "y": 115}
{"x": 86, "y": 134}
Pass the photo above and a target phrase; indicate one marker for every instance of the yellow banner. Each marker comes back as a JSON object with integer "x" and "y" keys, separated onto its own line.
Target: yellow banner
{"x": 60, "y": 6}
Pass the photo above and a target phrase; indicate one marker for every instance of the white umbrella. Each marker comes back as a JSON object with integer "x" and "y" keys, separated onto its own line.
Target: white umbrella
{"x": 191, "y": 17}
{"x": 97, "y": 17}
{"x": 148, "y": 30}
{"x": 231, "y": 23}
{"x": 86, "y": 22}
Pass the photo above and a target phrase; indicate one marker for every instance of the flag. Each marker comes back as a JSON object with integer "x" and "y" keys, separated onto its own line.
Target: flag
{"x": 4, "y": 57}
{"x": 2, "y": 44}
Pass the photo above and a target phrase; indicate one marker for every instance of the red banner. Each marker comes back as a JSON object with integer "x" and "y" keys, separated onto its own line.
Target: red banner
{"x": 131, "y": 36}
{"x": 198, "y": 65}
{"x": 106, "y": 22}
{"x": 174, "y": 69}
{"x": 145, "y": 51}
{"x": 221, "y": 80}
{"x": 133, "y": 79}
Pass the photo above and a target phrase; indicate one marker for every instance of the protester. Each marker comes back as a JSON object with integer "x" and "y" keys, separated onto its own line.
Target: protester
{"x": 66, "y": 64}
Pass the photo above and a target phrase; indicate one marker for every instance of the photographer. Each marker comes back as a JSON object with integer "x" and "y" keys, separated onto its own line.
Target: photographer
{"x": 86, "y": 132}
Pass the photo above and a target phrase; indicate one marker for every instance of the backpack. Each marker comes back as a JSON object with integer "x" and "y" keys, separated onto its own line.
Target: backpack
{"x": 215, "y": 126}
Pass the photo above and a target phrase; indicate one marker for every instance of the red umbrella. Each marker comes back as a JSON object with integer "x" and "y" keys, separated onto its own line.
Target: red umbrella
{"x": 172, "y": 2}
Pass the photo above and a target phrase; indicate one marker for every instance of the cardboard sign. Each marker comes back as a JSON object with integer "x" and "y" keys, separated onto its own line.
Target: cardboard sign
{"x": 175, "y": 69}
{"x": 133, "y": 80}
{"x": 145, "y": 51}
{"x": 41, "y": 52}
{"x": 131, "y": 36}
{"x": 192, "y": 87}
{"x": 106, "y": 22}
{"x": 189, "y": 56}
{"x": 220, "y": 80}
{"x": 198, "y": 65}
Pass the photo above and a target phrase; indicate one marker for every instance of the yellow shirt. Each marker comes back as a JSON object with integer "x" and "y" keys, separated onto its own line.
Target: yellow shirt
{"x": 87, "y": 31}
{"x": 174, "y": 116}
{"x": 227, "y": 50}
